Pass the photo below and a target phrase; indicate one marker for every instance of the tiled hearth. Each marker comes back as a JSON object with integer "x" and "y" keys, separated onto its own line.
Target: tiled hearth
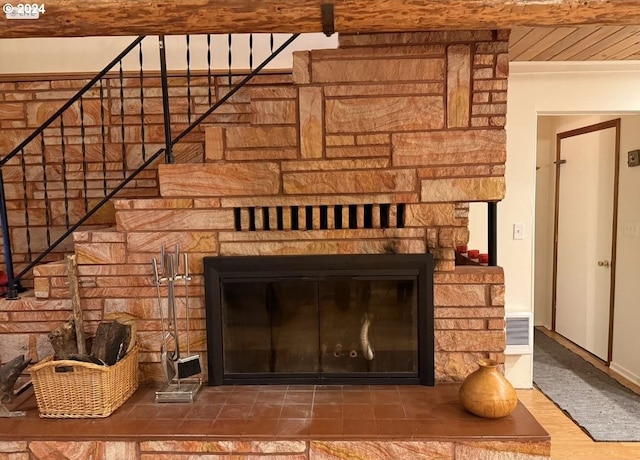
{"x": 284, "y": 422}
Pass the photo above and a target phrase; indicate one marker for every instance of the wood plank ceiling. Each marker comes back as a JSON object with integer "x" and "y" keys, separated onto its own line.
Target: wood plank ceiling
{"x": 584, "y": 43}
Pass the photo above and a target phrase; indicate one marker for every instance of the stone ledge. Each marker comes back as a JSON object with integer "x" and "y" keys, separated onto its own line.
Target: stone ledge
{"x": 340, "y": 235}
{"x": 433, "y": 426}
{"x": 320, "y": 200}
{"x": 153, "y": 203}
{"x": 468, "y": 274}
{"x": 57, "y": 268}
{"x": 30, "y": 303}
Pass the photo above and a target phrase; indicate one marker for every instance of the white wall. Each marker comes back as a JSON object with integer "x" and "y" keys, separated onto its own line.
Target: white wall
{"x": 547, "y": 89}
{"x": 626, "y": 311}
{"x": 626, "y": 324}
{"x": 92, "y": 54}
{"x": 478, "y": 234}
{"x": 543, "y": 231}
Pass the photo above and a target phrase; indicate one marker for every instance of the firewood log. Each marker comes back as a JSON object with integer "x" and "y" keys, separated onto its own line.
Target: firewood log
{"x": 111, "y": 341}
{"x": 74, "y": 289}
{"x": 126, "y": 319}
{"x": 9, "y": 373}
{"x": 63, "y": 340}
{"x": 85, "y": 359}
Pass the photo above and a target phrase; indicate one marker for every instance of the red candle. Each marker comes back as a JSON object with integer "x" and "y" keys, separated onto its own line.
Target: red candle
{"x": 473, "y": 253}
{"x": 461, "y": 249}
{"x": 483, "y": 258}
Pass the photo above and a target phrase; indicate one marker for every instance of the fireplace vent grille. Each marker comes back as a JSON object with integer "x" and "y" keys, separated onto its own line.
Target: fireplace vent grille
{"x": 319, "y": 217}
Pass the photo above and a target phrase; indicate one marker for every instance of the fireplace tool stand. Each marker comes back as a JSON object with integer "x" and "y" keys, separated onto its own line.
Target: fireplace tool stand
{"x": 181, "y": 371}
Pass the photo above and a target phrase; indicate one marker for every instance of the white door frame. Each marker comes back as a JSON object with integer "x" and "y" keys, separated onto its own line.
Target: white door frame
{"x": 576, "y": 132}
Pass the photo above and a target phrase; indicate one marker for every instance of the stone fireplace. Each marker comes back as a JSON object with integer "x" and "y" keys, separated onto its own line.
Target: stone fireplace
{"x": 376, "y": 147}
{"x": 372, "y": 152}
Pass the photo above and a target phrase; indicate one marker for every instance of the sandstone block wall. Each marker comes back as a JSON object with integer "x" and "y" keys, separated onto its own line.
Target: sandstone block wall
{"x": 269, "y": 449}
{"x": 130, "y": 127}
{"x": 377, "y": 147}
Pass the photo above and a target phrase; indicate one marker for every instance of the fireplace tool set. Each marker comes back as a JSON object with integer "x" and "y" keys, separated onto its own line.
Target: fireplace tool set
{"x": 181, "y": 370}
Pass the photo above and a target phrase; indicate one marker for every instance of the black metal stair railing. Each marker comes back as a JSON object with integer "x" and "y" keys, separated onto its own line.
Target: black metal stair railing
{"x": 116, "y": 165}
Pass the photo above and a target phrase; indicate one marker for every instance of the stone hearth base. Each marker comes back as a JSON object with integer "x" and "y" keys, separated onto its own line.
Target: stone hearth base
{"x": 283, "y": 422}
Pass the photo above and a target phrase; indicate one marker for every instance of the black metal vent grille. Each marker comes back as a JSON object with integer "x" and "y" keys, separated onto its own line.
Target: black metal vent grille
{"x": 322, "y": 217}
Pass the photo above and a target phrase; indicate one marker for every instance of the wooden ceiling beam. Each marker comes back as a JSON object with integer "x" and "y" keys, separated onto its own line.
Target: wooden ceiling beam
{"x": 74, "y": 18}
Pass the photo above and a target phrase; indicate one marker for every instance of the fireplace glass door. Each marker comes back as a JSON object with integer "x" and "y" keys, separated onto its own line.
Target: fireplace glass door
{"x": 329, "y": 326}
{"x": 270, "y": 327}
{"x": 316, "y": 327}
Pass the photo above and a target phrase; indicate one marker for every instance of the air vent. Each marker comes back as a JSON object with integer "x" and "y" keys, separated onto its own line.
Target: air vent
{"x": 519, "y": 334}
{"x": 319, "y": 217}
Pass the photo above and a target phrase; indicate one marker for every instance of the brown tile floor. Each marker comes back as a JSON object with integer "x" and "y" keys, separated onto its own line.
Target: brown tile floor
{"x": 287, "y": 412}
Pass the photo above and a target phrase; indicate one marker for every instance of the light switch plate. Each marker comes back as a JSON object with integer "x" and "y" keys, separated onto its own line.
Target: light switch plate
{"x": 634, "y": 158}
{"x": 518, "y": 231}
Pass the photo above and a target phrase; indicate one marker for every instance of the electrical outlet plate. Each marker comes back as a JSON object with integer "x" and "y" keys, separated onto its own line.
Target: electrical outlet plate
{"x": 634, "y": 158}
{"x": 631, "y": 228}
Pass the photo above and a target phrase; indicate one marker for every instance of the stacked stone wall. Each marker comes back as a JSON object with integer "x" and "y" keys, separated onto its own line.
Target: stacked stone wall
{"x": 375, "y": 147}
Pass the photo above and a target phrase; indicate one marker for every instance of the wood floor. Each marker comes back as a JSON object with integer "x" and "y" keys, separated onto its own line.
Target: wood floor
{"x": 568, "y": 441}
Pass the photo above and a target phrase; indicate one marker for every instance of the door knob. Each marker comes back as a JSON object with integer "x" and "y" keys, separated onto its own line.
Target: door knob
{"x": 603, "y": 263}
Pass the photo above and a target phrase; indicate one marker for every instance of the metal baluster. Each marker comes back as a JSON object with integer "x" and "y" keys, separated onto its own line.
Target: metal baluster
{"x": 188, "y": 80}
{"x": 492, "y": 232}
{"x": 168, "y": 158}
{"x": 209, "y": 66}
{"x": 12, "y": 292}
{"x": 142, "y": 122}
{"x": 47, "y": 216}
{"x": 234, "y": 89}
{"x": 122, "y": 130}
{"x": 58, "y": 169}
{"x": 84, "y": 157}
{"x": 104, "y": 140}
{"x": 250, "y": 51}
{"x": 65, "y": 183}
{"x": 25, "y": 201}
{"x": 271, "y": 43}
{"x": 229, "y": 57}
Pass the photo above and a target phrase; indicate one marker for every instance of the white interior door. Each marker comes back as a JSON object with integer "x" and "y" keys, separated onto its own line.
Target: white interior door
{"x": 585, "y": 231}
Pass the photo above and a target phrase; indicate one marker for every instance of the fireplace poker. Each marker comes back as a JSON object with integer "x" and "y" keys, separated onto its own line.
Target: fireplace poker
{"x": 167, "y": 368}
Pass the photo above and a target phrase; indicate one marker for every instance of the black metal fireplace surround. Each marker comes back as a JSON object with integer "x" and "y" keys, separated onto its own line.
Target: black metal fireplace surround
{"x": 320, "y": 319}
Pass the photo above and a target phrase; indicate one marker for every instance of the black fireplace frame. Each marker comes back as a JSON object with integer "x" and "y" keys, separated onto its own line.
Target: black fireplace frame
{"x": 386, "y": 266}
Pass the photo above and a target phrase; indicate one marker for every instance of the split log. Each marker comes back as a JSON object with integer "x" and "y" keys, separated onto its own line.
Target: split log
{"x": 111, "y": 341}
{"x": 63, "y": 340}
{"x": 74, "y": 289}
{"x": 129, "y": 320}
{"x": 9, "y": 373}
{"x": 168, "y": 17}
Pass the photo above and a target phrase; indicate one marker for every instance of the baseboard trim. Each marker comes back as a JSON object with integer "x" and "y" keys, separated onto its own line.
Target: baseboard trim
{"x": 624, "y": 373}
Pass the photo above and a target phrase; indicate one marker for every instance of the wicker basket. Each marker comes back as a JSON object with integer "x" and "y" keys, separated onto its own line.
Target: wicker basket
{"x": 85, "y": 390}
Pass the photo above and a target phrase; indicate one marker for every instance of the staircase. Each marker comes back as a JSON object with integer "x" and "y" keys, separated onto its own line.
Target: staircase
{"x": 107, "y": 140}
